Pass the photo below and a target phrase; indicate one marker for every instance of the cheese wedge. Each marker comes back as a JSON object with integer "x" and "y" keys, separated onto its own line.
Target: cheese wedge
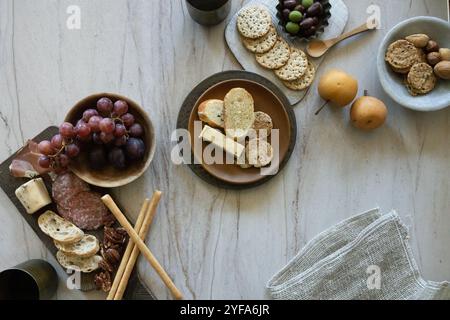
{"x": 217, "y": 138}
{"x": 33, "y": 195}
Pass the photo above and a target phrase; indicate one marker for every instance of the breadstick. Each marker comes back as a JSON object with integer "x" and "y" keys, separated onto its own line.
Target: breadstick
{"x": 109, "y": 202}
{"x": 128, "y": 251}
{"x": 150, "y": 214}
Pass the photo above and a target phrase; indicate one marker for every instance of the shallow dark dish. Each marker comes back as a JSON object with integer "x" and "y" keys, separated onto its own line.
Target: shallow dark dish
{"x": 324, "y": 22}
{"x": 266, "y": 94}
{"x": 110, "y": 177}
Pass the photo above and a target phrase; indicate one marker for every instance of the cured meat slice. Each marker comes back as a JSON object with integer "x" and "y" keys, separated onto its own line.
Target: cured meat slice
{"x": 26, "y": 163}
{"x": 78, "y": 204}
{"x": 86, "y": 210}
{"x": 66, "y": 185}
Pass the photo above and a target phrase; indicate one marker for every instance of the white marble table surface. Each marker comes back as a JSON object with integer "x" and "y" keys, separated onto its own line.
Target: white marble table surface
{"x": 219, "y": 244}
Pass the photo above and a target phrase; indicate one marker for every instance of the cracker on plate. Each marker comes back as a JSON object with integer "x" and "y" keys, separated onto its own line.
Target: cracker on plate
{"x": 303, "y": 82}
{"x": 254, "y": 22}
{"x": 263, "y": 44}
{"x": 295, "y": 68}
{"x": 276, "y": 57}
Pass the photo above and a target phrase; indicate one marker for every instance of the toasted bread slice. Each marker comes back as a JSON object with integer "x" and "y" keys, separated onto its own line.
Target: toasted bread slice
{"x": 59, "y": 229}
{"x": 75, "y": 263}
{"x": 238, "y": 113}
{"x": 211, "y": 112}
{"x": 259, "y": 153}
{"x": 86, "y": 247}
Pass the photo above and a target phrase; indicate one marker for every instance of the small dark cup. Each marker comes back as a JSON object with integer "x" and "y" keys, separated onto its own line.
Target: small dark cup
{"x": 30, "y": 280}
{"x": 208, "y": 12}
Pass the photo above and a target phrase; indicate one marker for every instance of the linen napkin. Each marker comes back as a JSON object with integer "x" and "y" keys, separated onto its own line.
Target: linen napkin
{"x": 366, "y": 257}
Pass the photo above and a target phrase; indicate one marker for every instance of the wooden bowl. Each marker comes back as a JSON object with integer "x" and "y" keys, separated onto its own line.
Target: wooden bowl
{"x": 110, "y": 177}
{"x": 265, "y": 101}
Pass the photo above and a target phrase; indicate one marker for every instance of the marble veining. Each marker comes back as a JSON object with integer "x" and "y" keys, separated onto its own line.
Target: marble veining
{"x": 219, "y": 244}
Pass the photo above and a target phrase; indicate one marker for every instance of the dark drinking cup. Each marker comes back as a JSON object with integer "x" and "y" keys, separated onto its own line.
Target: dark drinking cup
{"x": 31, "y": 280}
{"x": 208, "y": 12}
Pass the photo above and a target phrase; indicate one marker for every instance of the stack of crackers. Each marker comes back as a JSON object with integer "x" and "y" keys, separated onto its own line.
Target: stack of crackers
{"x": 259, "y": 36}
{"x": 407, "y": 59}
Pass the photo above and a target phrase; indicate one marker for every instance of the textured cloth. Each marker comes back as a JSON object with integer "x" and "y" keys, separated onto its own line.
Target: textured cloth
{"x": 366, "y": 257}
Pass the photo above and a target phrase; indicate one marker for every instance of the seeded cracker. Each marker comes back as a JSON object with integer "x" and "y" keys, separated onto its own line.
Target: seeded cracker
{"x": 305, "y": 81}
{"x": 254, "y": 22}
{"x": 276, "y": 57}
{"x": 263, "y": 44}
{"x": 295, "y": 68}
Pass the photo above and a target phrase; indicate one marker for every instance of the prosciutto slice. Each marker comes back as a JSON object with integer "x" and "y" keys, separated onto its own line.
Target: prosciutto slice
{"x": 26, "y": 163}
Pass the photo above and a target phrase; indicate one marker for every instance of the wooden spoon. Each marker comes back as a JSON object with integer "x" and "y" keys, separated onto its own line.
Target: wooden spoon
{"x": 317, "y": 48}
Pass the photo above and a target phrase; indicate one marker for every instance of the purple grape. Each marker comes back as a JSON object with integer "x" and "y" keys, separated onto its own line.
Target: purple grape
{"x": 105, "y": 106}
{"x": 120, "y": 108}
{"x": 88, "y": 114}
{"x": 135, "y": 149}
{"x": 120, "y": 130}
{"x": 106, "y": 138}
{"x": 128, "y": 119}
{"x": 116, "y": 158}
{"x": 67, "y": 130}
{"x": 96, "y": 138}
{"x": 45, "y": 162}
{"x": 136, "y": 130}
{"x": 45, "y": 147}
{"x": 120, "y": 141}
{"x": 63, "y": 160}
{"x": 72, "y": 150}
{"x": 83, "y": 130}
{"x": 97, "y": 158}
{"x": 57, "y": 141}
{"x": 107, "y": 125}
{"x": 94, "y": 123}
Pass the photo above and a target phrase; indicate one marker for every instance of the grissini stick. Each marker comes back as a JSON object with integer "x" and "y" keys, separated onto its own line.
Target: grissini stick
{"x": 151, "y": 211}
{"x": 128, "y": 251}
{"x": 109, "y": 202}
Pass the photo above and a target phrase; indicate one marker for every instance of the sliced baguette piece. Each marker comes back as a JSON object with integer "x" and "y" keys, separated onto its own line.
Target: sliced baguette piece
{"x": 238, "y": 113}
{"x": 211, "y": 112}
{"x": 85, "y": 248}
{"x": 259, "y": 153}
{"x": 59, "y": 229}
{"x": 80, "y": 264}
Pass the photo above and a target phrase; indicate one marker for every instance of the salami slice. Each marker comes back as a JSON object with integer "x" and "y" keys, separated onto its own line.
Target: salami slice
{"x": 86, "y": 210}
{"x": 76, "y": 203}
{"x": 67, "y": 185}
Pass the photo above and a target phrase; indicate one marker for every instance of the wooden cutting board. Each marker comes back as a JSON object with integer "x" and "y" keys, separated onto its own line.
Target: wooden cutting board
{"x": 337, "y": 23}
{"x": 135, "y": 290}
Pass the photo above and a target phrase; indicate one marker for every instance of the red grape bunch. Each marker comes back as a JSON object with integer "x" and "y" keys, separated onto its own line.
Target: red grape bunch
{"x": 108, "y": 133}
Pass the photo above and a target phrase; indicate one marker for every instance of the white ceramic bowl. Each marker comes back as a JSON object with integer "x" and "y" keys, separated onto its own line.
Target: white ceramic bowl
{"x": 439, "y": 98}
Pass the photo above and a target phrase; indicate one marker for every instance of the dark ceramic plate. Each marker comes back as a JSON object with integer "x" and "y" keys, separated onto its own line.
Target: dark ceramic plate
{"x": 268, "y": 98}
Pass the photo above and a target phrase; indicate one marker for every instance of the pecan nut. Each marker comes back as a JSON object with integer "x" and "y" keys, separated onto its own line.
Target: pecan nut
{"x": 103, "y": 281}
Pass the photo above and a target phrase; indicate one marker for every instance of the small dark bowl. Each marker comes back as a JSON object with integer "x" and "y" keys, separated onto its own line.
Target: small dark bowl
{"x": 110, "y": 177}
{"x": 323, "y": 23}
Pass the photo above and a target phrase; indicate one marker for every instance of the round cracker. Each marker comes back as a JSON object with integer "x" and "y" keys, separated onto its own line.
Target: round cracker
{"x": 295, "y": 68}
{"x": 305, "y": 81}
{"x": 254, "y": 22}
{"x": 263, "y": 44}
{"x": 276, "y": 57}
{"x": 262, "y": 122}
{"x": 402, "y": 54}
{"x": 421, "y": 78}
